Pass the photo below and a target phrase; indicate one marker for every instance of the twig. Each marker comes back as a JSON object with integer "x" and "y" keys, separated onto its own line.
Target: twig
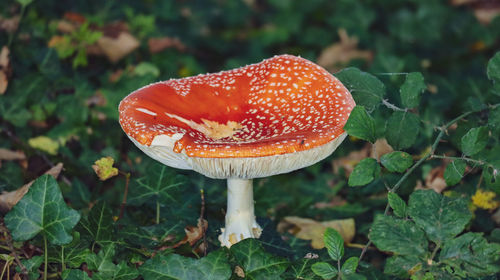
{"x": 8, "y": 239}
{"x": 125, "y": 192}
{"x": 202, "y": 214}
{"x": 417, "y": 164}
{"x": 392, "y": 106}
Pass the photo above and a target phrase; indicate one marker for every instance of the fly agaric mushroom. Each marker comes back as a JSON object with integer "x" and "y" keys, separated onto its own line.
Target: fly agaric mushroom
{"x": 273, "y": 117}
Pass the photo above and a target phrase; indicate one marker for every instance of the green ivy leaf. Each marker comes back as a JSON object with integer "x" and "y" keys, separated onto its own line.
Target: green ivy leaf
{"x": 364, "y": 172}
{"x": 401, "y": 266}
{"x": 73, "y": 254}
{"x": 396, "y": 161}
{"x": 157, "y": 186}
{"x": 350, "y": 265}
{"x": 402, "y": 129}
{"x": 102, "y": 262}
{"x": 121, "y": 272}
{"x": 454, "y": 172}
{"x": 212, "y": 267}
{"x": 334, "y": 243}
{"x": 151, "y": 236}
{"x": 256, "y": 262}
{"x": 472, "y": 253}
{"x": 475, "y": 140}
{"x": 365, "y": 88}
{"x": 42, "y": 210}
{"x": 99, "y": 223}
{"x": 32, "y": 266}
{"x": 75, "y": 274}
{"x": 493, "y": 69}
{"x": 397, "y": 204}
{"x": 300, "y": 269}
{"x": 398, "y": 236}
{"x": 324, "y": 270}
{"x": 439, "y": 216}
{"x": 361, "y": 125}
{"x": 411, "y": 89}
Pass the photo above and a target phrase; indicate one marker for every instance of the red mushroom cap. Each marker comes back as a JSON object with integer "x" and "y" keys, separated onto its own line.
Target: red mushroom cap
{"x": 281, "y": 105}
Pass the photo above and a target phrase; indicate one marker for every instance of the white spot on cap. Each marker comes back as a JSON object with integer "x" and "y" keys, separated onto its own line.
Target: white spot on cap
{"x": 146, "y": 111}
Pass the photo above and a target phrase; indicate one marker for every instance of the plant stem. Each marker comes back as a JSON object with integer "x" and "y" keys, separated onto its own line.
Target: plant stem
{"x": 417, "y": 164}
{"x": 45, "y": 266}
{"x": 479, "y": 162}
{"x": 392, "y": 106}
{"x": 63, "y": 265}
{"x": 157, "y": 211}
{"x": 125, "y": 192}
{"x": 434, "y": 252}
{"x": 338, "y": 267}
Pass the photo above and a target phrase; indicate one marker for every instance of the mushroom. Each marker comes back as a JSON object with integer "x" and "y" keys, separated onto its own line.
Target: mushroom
{"x": 273, "y": 117}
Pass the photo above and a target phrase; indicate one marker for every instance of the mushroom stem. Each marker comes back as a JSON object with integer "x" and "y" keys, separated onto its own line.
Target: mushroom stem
{"x": 240, "y": 217}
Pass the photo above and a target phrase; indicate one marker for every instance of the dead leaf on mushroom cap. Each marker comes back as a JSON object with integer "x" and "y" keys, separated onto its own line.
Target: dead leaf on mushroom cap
{"x": 309, "y": 229}
{"x": 339, "y": 54}
{"x": 9, "y": 199}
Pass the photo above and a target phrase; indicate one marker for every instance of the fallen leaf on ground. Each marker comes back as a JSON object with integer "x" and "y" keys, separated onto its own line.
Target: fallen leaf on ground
{"x": 104, "y": 169}
{"x": 9, "y": 199}
{"x": 6, "y": 154}
{"x": 9, "y": 25}
{"x": 157, "y": 45}
{"x": 309, "y": 229}
{"x": 117, "y": 48}
{"x": 348, "y": 162}
{"x": 484, "y": 11}
{"x": 4, "y": 69}
{"x": 339, "y": 54}
{"x": 45, "y": 144}
{"x": 381, "y": 147}
{"x": 435, "y": 179}
{"x": 193, "y": 233}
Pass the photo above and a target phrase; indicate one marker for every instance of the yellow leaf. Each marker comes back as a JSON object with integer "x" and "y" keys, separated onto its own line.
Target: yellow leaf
{"x": 45, "y": 144}
{"x": 309, "y": 229}
{"x": 104, "y": 168}
{"x": 485, "y": 200}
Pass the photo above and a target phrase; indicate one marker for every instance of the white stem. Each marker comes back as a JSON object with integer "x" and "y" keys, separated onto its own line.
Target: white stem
{"x": 240, "y": 217}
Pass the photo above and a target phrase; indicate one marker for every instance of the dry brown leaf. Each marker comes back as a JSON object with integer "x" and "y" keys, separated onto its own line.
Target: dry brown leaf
{"x": 4, "y": 69}
{"x": 117, "y": 48}
{"x": 9, "y": 199}
{"x": 97, "y": 99}
{"x": 381, "y": 148}
{"x": 65, "y": 26}
{"x": 157, "y": 45}
{"x": 309, "y": 229}
{"x": 339, "y": 54}
{"x": 496, "y": 217}
{"x": 193, "y": 233}
{"x": 9, "y": 25}
{"x": 6, "y": 154}
{"x": 239, "y": 271}
{"x": 435, "y": 180}
{"x": 348, "y": 162}
{"x": 484, "y": 10}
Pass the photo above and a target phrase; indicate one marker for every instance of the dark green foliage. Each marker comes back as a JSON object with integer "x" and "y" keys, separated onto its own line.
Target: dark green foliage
{"x": 396, "y": 161}
{"x": 361, "y": 125}
{"x": 364, "y": 172}
{"x": 427, "y": 81}
{"x": 42, "y": 210}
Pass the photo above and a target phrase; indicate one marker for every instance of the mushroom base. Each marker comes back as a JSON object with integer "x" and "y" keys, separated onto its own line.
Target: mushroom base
{"x": 240, "y": 217}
